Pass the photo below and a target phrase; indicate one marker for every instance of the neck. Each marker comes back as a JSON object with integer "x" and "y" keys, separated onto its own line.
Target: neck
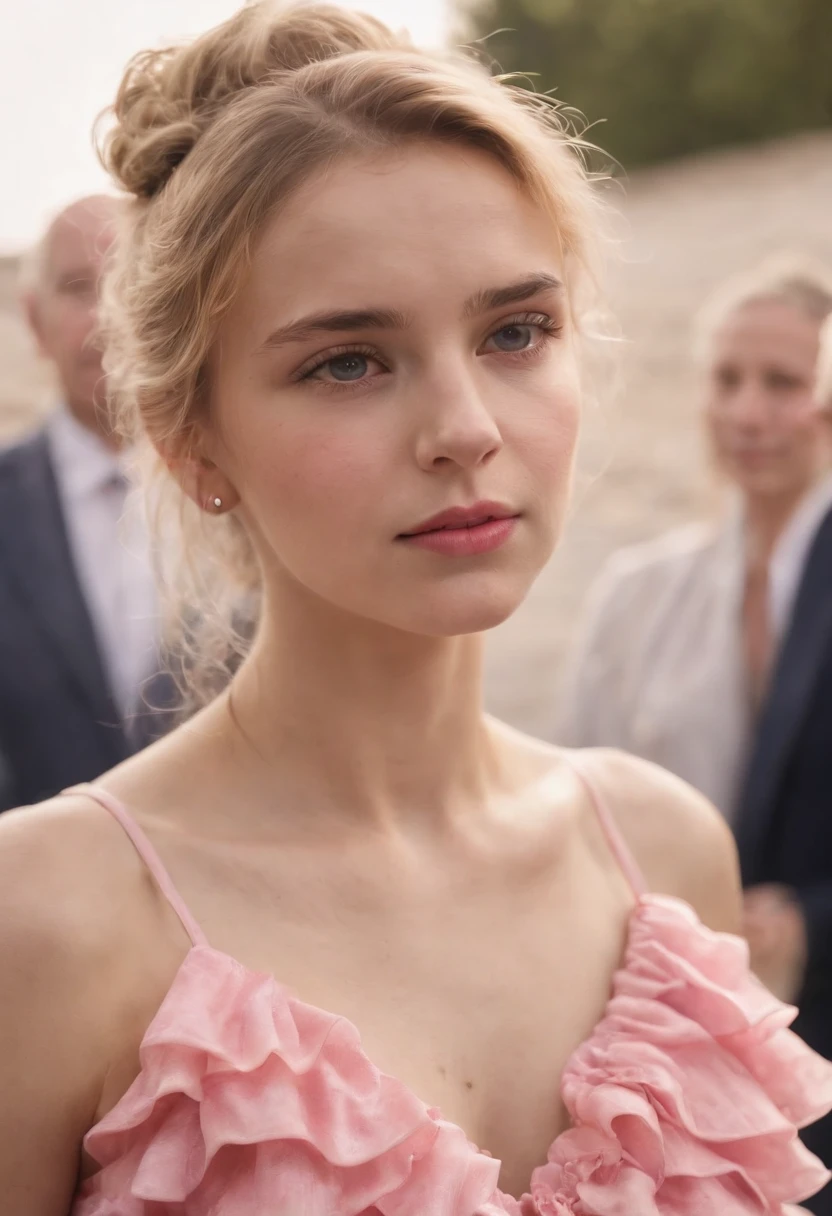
{"x": 766, "y": 517}
{"x": 362, "y": 720}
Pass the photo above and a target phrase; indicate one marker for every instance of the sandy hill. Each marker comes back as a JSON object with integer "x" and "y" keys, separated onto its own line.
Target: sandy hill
{"x": 642, "y": 468}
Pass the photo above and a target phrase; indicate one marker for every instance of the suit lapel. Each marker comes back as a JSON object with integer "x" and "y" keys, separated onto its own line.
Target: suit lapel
{"x": 808, "y": 635}
{"x": 37, "y": 555}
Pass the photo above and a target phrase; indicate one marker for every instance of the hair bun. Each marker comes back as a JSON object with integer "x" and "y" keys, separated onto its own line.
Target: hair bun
{"x": 168, "y": 97}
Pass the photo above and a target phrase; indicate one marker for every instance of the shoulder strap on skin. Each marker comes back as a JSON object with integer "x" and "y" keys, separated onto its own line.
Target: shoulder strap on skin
{"x": 618, "y": 846}
{"x": 148, "y": 855}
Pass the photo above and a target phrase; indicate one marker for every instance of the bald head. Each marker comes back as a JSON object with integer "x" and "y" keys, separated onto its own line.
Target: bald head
{"x": 61, "y": 300}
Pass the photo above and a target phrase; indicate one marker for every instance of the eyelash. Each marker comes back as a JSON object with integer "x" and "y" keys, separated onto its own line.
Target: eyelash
{"x": 548, "y": 327}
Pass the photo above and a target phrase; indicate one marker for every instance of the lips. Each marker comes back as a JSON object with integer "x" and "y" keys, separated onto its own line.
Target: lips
{"x": 462, "y": 518}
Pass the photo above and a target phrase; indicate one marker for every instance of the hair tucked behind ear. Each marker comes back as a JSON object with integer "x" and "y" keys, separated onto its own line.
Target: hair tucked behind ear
{"x": 210, "y": 139}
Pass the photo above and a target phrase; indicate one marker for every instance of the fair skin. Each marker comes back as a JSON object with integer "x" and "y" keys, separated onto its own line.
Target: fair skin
{"x": 768, "y": 434}
{"x": 61, "y": 307}
{"x": 347, "y": 818}
{"x": 772, "y": 441}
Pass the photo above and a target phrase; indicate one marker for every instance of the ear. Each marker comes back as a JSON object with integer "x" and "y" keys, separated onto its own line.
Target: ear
{"x": 201, "y": 479}
{"x": 32, "y": 311}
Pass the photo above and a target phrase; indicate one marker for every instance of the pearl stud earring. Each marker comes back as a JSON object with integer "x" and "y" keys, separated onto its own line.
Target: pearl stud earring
{"x": 216, "y": 503}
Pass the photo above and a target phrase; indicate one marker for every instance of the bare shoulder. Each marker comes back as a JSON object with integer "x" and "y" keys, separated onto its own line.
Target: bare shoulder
{"x": 681, "y": 843}
{"x": 64, "y": 879}
{"x": 65, "y": 956}
{"x": 58, "y": 855}
{"x": 76, "y": 905}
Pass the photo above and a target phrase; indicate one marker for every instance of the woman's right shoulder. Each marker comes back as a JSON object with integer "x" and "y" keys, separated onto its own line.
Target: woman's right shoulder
{"x": 65, "y": 876}
{"x": 69, "y": 938}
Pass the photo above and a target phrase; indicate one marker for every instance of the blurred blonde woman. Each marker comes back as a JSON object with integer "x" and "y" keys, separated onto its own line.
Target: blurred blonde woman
{"x": 343, "y": 944}
{"x": 682, "y": 632}
{"x": 709, "y": 650}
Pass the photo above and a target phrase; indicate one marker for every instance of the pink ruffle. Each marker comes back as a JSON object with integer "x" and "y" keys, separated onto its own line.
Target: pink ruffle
{"x": 249, "y": 1101}
{"x": 685, "y": 1099}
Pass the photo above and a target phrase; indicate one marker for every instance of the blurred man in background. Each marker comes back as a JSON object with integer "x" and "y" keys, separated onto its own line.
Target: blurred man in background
{"x": 784, "y": 819}
{"x": 78, "y": 615}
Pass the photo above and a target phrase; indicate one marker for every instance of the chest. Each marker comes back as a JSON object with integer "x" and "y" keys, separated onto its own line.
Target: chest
{"x": 473, "y": 989}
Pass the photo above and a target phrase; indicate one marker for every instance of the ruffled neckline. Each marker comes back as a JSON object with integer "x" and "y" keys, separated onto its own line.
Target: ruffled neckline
{"x": 684, "y": 1098}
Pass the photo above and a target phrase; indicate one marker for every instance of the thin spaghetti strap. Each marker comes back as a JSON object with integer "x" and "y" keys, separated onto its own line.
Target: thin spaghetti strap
{"x": 148, "y": 855}
{"x": 618, "y": 846}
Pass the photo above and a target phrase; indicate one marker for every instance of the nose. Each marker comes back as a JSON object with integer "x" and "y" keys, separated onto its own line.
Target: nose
{"x": 748, "y": 407}
{"x": 456, "y": 427}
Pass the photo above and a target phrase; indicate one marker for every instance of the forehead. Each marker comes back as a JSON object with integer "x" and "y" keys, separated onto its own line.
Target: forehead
{"x": 769, "y": 330}
{"x": 393, "y": 229}
{"x": 80, "y": 238}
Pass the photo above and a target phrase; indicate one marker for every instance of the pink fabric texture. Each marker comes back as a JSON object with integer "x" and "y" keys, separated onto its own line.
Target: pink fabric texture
{"x": 683, "y": 1102}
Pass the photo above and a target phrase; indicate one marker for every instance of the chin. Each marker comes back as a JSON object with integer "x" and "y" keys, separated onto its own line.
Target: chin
{"x": 455, "y": 611}
{"x": 766, "y": 484}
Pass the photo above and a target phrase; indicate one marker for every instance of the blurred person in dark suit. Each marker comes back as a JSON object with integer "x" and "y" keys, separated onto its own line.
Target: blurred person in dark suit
{"x": 709, "y": 650}
{"x": 784, "y": 816}
{"x": 78, "y": 613}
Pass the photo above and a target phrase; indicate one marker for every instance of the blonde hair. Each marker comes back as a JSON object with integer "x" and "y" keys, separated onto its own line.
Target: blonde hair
{"x": 209, "y": 139}
{"x": 782, "y": 279}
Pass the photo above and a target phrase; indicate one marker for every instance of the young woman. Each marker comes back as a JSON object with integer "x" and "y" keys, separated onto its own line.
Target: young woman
{"x": 246, "y": 971}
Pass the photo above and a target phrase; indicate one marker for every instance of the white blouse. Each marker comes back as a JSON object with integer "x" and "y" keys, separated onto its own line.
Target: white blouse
{"x": 659, "y": 671}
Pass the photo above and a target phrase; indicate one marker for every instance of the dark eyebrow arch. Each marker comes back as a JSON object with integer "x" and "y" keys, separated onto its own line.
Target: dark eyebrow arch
{"x": 352, "y": 320}
{"x": 335, "y": 322}
{"x": 514, "y": 293}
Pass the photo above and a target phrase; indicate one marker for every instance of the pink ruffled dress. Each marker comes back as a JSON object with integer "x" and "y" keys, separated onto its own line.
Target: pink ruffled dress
{"x": 684, "y": 1101}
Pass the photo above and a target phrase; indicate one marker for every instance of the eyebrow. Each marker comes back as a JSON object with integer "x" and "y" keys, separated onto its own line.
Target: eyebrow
{"x": 514, "y": 293}
{"x": 350, "y": 320}
{"x": 335, "y": 322}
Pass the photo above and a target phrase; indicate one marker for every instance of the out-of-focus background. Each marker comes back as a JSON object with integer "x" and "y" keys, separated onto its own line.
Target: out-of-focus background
{"x": 720, "y": 115}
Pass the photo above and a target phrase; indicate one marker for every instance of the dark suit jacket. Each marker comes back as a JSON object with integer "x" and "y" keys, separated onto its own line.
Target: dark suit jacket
{"x": 59, "y": 724}
{"x": 784, "y": 829}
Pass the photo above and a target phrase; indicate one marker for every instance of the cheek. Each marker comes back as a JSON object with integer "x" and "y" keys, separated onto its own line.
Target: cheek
{"x": 543, "y": 431}
{"x": 716, "y": 429}
{"x": 72, "y": 331}
{"x": 301, "y": 475}
{"x": 805, "y": 437}
{"x": 722, "y": 431}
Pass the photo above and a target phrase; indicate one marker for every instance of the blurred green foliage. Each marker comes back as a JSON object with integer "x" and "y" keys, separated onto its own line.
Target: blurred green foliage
{"x": 668, "y": 77}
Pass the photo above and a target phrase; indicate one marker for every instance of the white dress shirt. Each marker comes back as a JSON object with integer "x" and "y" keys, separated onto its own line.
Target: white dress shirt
{"x": 660, "y": 670}
{"x": 110, "y": 547}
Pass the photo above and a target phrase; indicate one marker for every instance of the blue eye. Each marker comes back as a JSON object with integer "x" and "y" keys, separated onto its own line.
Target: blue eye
{"x": 346, "y": 368}
{"x": 343, "y": 368}
{"x": 513, "y": 337}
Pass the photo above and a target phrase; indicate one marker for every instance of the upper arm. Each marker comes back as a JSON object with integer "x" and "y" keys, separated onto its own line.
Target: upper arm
{"x": 681, "y": 843}
{"x": 52, "y": 1059}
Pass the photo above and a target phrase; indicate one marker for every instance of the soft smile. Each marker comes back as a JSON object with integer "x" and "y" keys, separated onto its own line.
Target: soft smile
{"x": 464, "y": 531}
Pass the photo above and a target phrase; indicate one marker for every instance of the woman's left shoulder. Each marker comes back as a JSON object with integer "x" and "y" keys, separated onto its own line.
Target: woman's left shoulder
{"x": 680, "y": 842}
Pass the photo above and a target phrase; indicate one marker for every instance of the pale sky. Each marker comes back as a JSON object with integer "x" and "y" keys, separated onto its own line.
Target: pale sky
{"x": 60, "y": 65}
